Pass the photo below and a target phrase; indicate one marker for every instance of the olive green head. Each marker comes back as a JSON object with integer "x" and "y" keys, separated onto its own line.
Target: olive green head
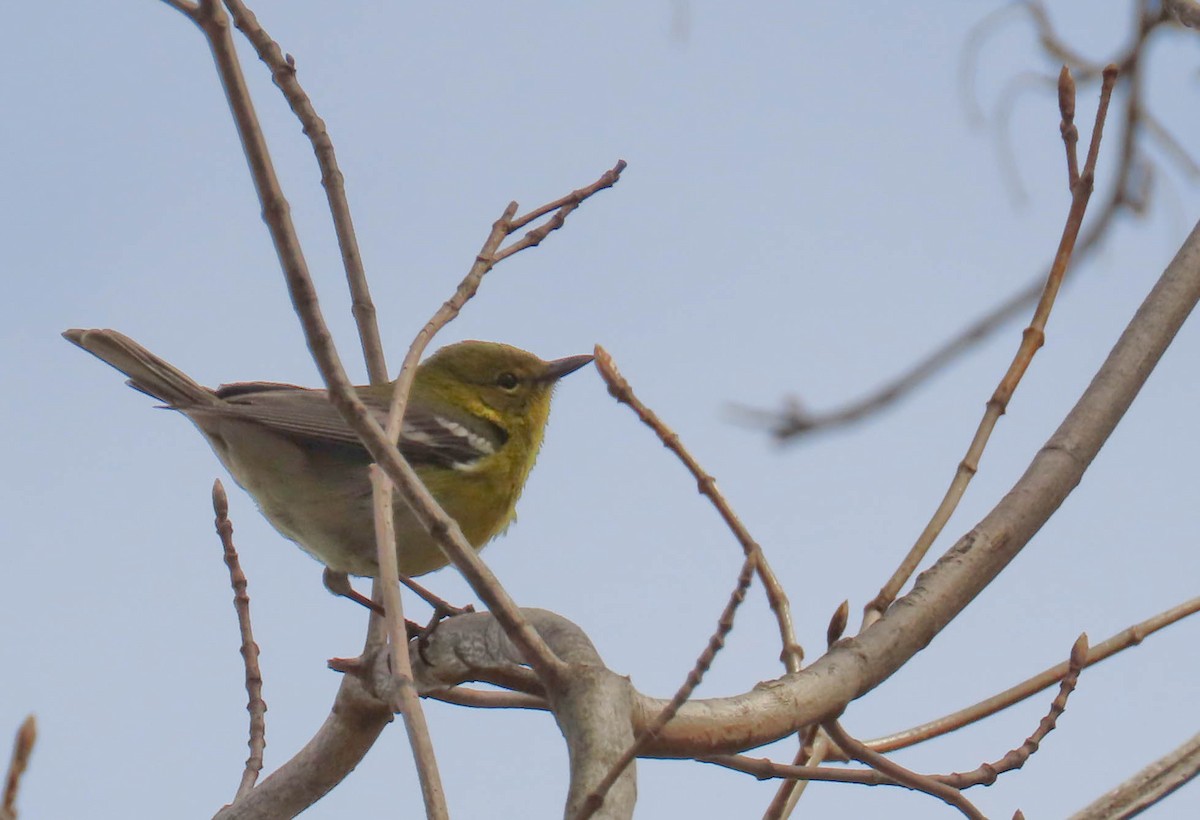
{"x": 512, "y": 383}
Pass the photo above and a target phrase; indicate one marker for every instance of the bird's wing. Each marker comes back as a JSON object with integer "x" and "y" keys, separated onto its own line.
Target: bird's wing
{"x": 430, "y": 435}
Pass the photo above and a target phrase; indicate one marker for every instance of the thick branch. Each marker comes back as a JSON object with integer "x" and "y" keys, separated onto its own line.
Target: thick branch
{"x": 857, "y": 665}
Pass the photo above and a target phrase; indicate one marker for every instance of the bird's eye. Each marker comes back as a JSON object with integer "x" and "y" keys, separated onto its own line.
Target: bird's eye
{"x": 507, "y": 381}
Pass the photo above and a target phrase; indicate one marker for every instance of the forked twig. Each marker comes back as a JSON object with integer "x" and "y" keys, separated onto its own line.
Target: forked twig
{"x": 255, "y": 705}
{"x": 899, "y": 773}
{"x": 1031, "y": 340}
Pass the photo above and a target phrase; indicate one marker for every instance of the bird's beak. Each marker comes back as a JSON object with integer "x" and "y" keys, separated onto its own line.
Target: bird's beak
{"x": 558, "y": 368}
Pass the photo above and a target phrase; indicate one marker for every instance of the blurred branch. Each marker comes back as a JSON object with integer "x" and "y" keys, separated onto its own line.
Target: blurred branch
{"x": 22, "y": 750}
{"x": 795, "y": 420}
{"x": 257, "y": 707}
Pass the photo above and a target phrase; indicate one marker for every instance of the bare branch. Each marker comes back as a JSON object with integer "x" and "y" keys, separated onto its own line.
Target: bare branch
{"x": 900, "y": 774}
{"x": 1124, "y": 639}
{"x": 1031, "y": 340}
{"x": 348, "y": 733}
{"x": 856, "y": 665}
{"x": 283, "y": 73}
{"x": 404, "y": 698}
{"x": 794, "y": 420}
{"x": 276, "y": 213}
{"x": 256, "y": 706}
{"x": 619, "y": 388}
{"x": 1149, "y": 786}
{"x": 702, "y": 665}
{"x": 1015, "y": 759}
{"x": 22, "y": 750}
{"x": 484, "y": 699}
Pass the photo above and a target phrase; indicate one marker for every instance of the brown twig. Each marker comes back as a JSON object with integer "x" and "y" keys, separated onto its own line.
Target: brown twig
{"x": 563, "y": 208}
{"x": 1122, "y": 640}
{"x": 703, "y": 663}
{"x": 1031, "y": 340}
{"x": 22, "y": 749}
{"x": 1015, "y": 759}
{"x": 404, "y": 697}
{"x": 900, "y": 774}
{"x": 255, "y": 705}
{"x": 487, "y": 258}
{"x": 485, "y": 699}
{"x": 813, "y": 745}
{"x": 766, "y": 769}
{"x": 283, "y": 73}
{"x": 620, "y": 389}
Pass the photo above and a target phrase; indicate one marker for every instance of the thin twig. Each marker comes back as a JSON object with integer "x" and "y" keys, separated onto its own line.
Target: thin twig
{"x": 283, "y": 73}
{"x": 1015, "y": 759}
{"x": 22, "y": 749}
{"x": 620, "y": 389}
{"x": 766, "y": 769}
{"x": 255, "y": 705}
{"x": 789, "y": 791}
{"x": 810, "y": 754}
{"x": 1031, "y": 340}
{"x": 1132, "y": 636}
{"x": 487, "y": 258}
{"x": 703, "y": 663}
{"x": 485, "y": 699}
{"x": 563, "y": 208}
{"x": 899, "y": 773}
{"x": 406, "y": 701}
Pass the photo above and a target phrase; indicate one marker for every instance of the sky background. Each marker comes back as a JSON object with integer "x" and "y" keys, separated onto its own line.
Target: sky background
{"x": 807, "y": 209}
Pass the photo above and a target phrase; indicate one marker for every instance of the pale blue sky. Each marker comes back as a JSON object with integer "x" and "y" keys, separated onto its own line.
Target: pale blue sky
{"x": 806, "y": 210}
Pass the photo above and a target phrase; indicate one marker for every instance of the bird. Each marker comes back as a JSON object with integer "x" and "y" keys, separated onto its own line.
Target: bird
{"x": 474, "y": 424}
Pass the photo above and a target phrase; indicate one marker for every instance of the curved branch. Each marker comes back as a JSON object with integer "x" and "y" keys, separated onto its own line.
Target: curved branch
{"x": 857, "y": 665}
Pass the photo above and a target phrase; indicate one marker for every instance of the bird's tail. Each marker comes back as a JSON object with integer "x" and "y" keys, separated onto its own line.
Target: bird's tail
{"x": 146, "y": 372}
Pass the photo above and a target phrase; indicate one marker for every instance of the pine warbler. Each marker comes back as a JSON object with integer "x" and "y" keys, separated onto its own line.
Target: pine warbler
{"x": 472, "y": 430}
